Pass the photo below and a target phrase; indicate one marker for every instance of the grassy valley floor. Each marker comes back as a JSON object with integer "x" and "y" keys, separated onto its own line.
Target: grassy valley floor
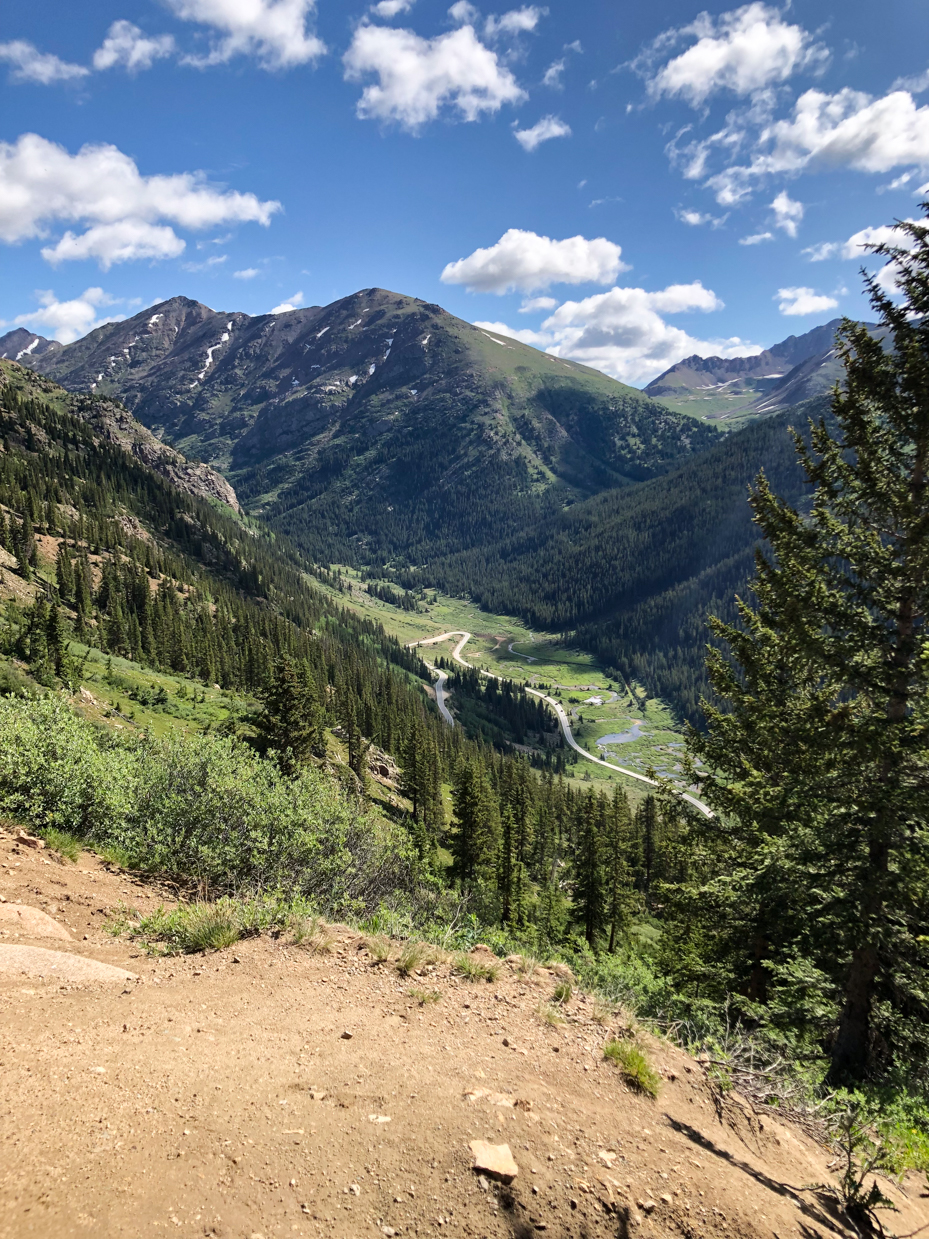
{"x": 641, "y": 731}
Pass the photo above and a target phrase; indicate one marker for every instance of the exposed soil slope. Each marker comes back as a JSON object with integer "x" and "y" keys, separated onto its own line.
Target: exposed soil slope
{"x": 218, "y": 1096}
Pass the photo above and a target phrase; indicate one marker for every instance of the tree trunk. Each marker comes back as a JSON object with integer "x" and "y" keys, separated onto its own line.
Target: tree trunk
{"x": 850, "y": 1053}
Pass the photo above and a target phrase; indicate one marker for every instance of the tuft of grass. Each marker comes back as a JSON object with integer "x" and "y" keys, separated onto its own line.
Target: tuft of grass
{"x": 312, "y": 934}
{"x": 113, "y": 854}
{"x": 525, "y": 965}
{"x": 634, "y": 1066}
{"x": 563, "y": 993}
{"x": 194, "y": 927}
{"x": 549, "y": 1014}
{"x": 475, "y": 969}
{"x": 603, "y": 1012}
{"x": 210, "y": 926}
{"x": 423, "y": 996}
{"x": 413, "y": 956}
{"x": 67, "y": 846}
{"x": 378, "y": 947}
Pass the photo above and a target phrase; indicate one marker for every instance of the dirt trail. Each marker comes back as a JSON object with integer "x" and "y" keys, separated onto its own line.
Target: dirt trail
{"x": 218, "y": 1096}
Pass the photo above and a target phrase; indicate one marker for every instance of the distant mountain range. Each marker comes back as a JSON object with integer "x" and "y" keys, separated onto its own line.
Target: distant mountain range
{"x": 733, "y": 390}
{"x": 378, "y": 428}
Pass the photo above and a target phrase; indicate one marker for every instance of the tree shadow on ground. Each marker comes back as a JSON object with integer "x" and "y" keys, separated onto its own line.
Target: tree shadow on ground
{"x": 825, "y": 1215}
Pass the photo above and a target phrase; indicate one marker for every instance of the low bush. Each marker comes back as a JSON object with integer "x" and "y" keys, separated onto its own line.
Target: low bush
{"x": 205, "y": 810}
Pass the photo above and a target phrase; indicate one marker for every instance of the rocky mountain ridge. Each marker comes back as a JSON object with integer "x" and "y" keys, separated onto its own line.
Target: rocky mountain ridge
{"x": 734, "y": 390}
{"x": 20, "y": 343}
{"x": 378, "y": 426}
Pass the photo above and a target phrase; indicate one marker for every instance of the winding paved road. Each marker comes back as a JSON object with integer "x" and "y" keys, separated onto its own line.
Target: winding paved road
{"x": 556, "y": 706}
{"x": 441, "y": 677}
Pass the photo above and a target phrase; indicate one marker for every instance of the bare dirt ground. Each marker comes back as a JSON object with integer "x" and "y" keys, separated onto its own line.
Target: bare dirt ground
{"x": 218, "y": 1096}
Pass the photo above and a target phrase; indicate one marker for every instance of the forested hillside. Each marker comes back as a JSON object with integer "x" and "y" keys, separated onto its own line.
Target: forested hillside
{"x": 98, "y": 552}
{"x": 634, "y": 572}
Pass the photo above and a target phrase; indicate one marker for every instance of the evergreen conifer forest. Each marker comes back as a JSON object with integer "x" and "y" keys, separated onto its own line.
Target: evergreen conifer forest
{"x": 787, "y": 929}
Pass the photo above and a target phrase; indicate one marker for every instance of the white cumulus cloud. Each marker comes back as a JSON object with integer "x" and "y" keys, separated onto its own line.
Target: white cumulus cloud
{"x": 517, "y": 21}
{"x": 68, "y": 320}
{"x": 127, "y": 45}
{"x": 390, "y": 8}
{"x": 742, "y": 51}
{"x": 418, "y": 77}
{"x": 42, "y": 68}
{"x": 552, "y": 75}
{"x": 756, "y": 238}
{"x": 792, "y": 301}
{"x": 855, "y": 246}
{"x": 528, "y": 262}
{"x": 125, "y": 215}
{"x": 787, "y": 213}
{"x": 623, "y": 331}
{"x": 542, "y": 131}
{"x": 463, "y": 13}
{"x": 531, "y": 305}
{"x": 274, "y": 31}
{"x": 292, "y": 303}
{"x": 247, "y": 273}
{"x": 124, "y": 241}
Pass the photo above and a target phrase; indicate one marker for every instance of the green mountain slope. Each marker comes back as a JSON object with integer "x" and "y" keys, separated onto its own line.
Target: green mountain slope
{"x": 634, "y": 572}
{"x": 380, "y": 427}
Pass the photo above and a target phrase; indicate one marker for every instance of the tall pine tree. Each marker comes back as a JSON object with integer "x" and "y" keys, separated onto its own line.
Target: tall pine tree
{"x": 819, "y": 762}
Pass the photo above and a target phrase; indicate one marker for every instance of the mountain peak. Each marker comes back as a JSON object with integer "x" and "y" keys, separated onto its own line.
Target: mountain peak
{"x": 734, "y": 390}
{"x": 20, "y": 345}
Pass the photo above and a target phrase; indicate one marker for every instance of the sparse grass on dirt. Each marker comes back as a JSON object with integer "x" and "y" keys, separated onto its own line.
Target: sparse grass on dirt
{"x": 413, "y": 956}
{"x": 378, "y": 947}
{"x": 549, "y": 1014}
{"x": 312, "y": 934}
{"x": 634, "y": 1066}
{"x": 67, "y": 846}
{"x": 563, "y": 993}
{"x": 425, "y": 996}
{"x": 473, "y": 969}
{"x": 525, "y": 965}
{"x": 202, "y": 926}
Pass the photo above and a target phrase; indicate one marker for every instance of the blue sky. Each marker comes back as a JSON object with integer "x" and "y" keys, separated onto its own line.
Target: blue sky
{"x": 624, "y": 184}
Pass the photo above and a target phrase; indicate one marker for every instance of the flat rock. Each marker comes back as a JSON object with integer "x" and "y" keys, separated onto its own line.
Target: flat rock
{"x": 494, "y": 1160}
{"x": 36, "y": 961}
{"x": 22, "y": 919}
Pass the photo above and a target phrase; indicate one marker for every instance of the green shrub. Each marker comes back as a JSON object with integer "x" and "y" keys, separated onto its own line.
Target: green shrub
{"x": 563, "y": 992}
{"x": 634, "y": 1066}
{"x": 204, "y": 809}
{"x": 57, "y": 770}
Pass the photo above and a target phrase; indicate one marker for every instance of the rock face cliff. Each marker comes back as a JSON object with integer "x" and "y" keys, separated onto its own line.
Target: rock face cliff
{"x": 117, "y": 424}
